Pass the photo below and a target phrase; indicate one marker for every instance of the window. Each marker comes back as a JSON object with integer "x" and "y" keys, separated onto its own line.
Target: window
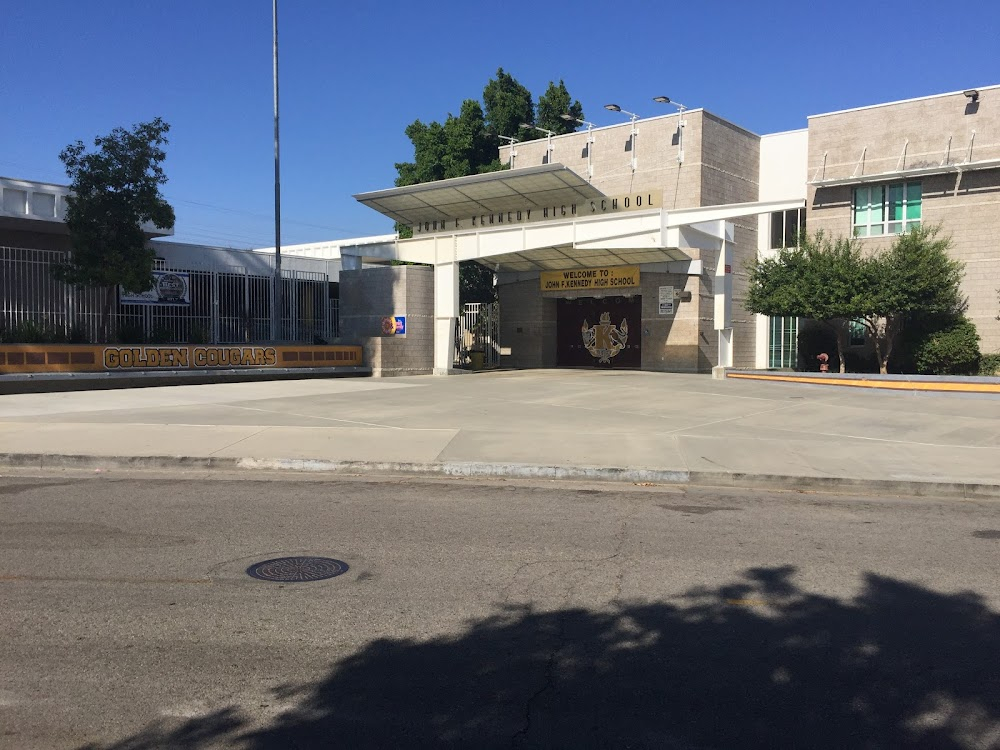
{"x": 783, "y": 350}
{"x": 856, "y": 333}
{"x": 785, "y": 227}
{"x": 886, "y": 209}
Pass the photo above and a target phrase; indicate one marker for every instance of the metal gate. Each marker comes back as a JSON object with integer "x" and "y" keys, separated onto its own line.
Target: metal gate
{"x": 478, "y": 329}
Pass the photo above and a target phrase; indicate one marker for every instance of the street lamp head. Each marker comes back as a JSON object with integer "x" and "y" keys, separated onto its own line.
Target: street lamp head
{"x": 525, "y": 125}
{"x": 568, "y": 118}
{"x": 612, "y": 108}
{"x": 662, "y": 99}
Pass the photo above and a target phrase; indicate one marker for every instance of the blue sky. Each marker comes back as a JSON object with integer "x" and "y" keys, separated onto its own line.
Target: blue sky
{"x": 354, "y": 75}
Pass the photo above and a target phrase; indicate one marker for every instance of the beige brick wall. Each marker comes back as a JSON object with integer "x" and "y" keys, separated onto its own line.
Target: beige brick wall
{"x": 967, "y": 209}
{"x": 670, "y": 343}
{"x": 656, "y": 158}
{"x": 721, "y": 165}
{"x": 527, "y": 324}
{"x": 368, "y": 295}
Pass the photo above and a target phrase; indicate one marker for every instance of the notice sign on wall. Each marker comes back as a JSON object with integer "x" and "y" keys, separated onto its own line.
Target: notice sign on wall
{"x": 666, "y": 300}
{"x": 616, "y": 277}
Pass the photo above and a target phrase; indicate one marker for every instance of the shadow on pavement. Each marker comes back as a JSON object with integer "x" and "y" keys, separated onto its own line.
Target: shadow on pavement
{"x": 759, "y": 663}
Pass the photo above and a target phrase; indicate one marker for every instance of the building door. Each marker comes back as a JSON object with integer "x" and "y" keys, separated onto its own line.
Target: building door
{"x": 604, "y": 332}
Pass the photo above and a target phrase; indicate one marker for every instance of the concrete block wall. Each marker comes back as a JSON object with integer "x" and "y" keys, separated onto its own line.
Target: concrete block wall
{"x": 670, "y": 342}
{"x": 966, "y": 208}
{"x": 527, "y": 323}
{"x": 721, "y": 165}
{"x": 656, "y": 158}
{"x": 368, "y": 295}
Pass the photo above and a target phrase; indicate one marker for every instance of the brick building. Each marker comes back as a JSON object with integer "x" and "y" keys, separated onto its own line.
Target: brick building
{"x": 871, "y": 172}
{"x": 627, "y": 245}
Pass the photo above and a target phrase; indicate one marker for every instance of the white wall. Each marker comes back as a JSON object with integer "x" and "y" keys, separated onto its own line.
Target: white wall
{"x": 783, "y": 174}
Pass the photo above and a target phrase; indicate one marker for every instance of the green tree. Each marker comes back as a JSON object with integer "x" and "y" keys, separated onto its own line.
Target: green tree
{"x": 115, "y": 190}
{"x": 470, "y": 144}
{"x": 820, "y": 279}
{"x": 915, "y": 278}
{"x": 508, "y": 104}
{"x": 554, "y": 103}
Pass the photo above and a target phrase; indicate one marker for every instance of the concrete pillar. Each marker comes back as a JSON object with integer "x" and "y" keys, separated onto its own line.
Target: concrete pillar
{"x": 723, "y": 289}
{"x": 445, "y": 316}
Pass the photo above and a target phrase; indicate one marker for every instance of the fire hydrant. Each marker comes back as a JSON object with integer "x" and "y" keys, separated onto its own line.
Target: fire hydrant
{"x": 823, "y": 358}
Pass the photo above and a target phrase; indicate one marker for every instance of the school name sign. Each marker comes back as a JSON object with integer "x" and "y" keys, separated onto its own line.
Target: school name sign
{"x": 614, "y": 277}
{"x": 612, "y": 204}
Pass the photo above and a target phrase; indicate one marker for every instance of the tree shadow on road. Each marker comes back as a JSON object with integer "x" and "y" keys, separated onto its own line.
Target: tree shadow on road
{"x": 758, "y": 663}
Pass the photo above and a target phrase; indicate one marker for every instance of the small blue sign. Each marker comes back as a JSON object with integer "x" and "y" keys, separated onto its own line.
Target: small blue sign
{"x": 400, "y": 325}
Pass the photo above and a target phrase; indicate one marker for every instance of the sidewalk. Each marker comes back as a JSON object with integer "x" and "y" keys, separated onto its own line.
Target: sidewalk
{"x": 632, "y": 426}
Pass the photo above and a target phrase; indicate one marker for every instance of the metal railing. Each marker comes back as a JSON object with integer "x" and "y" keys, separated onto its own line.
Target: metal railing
{"x": 229, "y": 305}
{"x": 478, "y": 329}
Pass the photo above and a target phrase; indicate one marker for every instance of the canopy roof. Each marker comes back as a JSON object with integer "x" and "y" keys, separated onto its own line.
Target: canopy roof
{"x": 494, "y": 192}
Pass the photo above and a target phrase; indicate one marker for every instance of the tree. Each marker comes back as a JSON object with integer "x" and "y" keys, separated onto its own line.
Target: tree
{"x": 915, "y": 278}
{"x": 820, "y": 279}
{"x": 508, "y": 105}
{"x": 470, "y": 144}
{"x": 554, "y": 103}
{"x": 115, "y": 190}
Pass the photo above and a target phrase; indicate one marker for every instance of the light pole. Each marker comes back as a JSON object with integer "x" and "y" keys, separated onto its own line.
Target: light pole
{"x": 680, "y": 124}
{"x": 590, "y": 142}
{"x": 633, "y": 117}
{"x": 276, "y": 291}
{"x": 513, "y": 150}
{"x": 548, "y": 139}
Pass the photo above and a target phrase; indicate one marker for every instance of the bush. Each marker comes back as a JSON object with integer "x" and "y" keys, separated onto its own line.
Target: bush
{"x": 989, "y": 364}
{"x": 33, "y": 332}
{"x": 78, "y": 334}
{"x": 951, "y": 351}
{"x": 199, "y": 334}
{"x": 130, "y": 333}
{"x": 161, "y": 335}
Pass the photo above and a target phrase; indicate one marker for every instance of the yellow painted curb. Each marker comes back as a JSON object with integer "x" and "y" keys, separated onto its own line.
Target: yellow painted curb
{"x": 891, "y": 385}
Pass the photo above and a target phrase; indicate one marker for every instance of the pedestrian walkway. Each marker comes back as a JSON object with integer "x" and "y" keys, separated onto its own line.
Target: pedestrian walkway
{"x": 634, "y": 426}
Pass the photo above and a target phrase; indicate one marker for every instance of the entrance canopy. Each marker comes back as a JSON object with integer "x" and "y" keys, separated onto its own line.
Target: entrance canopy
{"x": 549, "y": 218}
{"x": 492, "y": 193}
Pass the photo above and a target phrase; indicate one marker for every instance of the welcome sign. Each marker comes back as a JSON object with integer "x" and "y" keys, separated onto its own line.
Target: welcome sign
{"x": 614, "y": 277}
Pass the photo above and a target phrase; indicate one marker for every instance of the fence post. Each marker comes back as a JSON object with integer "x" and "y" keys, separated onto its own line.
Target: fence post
{"x": 215, "y": 306}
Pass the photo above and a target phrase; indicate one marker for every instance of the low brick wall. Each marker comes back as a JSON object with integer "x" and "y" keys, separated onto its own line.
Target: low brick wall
{"x": 40, "y": 358}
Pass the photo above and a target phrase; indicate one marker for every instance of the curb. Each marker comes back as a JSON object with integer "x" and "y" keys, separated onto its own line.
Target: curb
{"x": 915, "y": 383}
{"x": 961, "y": 490}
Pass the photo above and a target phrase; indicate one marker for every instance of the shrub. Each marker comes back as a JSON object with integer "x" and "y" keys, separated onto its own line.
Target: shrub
{"x": 951, "y": 351}
{"x": 33, "y": 332}
{"x": 161, "y": 335}
{"x": 989, "y": 364}
{"x": 199, "y": 334}
{"x": 130, "y": 333}
{"x": 78, "y": 334}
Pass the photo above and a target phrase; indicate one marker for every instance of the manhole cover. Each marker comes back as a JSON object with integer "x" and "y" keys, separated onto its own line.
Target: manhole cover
{"x": 297, "y": 569}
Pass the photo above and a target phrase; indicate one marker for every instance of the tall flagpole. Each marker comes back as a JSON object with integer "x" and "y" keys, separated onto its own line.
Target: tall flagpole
{"x": 276, "y": 291}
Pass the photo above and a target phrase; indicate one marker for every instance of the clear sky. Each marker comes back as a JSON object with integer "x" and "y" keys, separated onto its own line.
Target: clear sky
{"x": 354, "y": 75}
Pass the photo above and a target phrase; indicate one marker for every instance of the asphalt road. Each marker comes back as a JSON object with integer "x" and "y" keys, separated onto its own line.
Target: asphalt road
{"x": 489, "y": 614}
